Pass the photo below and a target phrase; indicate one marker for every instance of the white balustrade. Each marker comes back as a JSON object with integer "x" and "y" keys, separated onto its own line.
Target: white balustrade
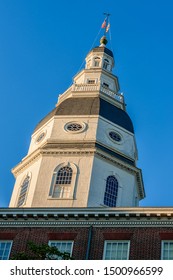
{"x": 94, "y": 87}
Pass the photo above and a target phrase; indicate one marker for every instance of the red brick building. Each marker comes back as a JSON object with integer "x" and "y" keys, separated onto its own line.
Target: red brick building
{"x": 135, "y": 234}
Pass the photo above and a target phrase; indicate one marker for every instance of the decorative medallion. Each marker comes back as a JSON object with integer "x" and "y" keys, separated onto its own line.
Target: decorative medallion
{"x": 40, "y": 137}
{"x": 75, "y": 127}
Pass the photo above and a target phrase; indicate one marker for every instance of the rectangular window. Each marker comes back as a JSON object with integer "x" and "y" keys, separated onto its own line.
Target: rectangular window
{"x": 96, "y": 63}
{"x": 105, "y": 65}
{"x": 167, "y": 250}
{"x": 116, "y": 250}
{"x": 91, "y": 82}
{"x": 105, "y": 85}
{"x": 62, "y": 246}
{"x": 5, "y": 249}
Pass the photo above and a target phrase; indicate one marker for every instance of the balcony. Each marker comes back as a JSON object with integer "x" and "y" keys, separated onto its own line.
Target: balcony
{"x": 85, "y": 87}
{"x": 97, "y": 87}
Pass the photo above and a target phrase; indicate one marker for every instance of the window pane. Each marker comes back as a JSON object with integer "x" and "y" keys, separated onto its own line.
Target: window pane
{"x": 171, "y": 255}
{"x": 116, "y": 250}
{"x": 167, "y": 250}
{"x": 5, "y": 248}
{"x": 63, "y": 246}
{"x": 2, "y": 246}
{"x": 57, "y": 191}
{"x": 64, "y": 175}
{"x": 23, "y": 191}
{"x": 62, "y": 183}
{"x": 68, "y": 247}
{"x": 124, "y": 255}
{"x": 108, "y": 246}
{"x": 111, "y": 191}
{"x": 6, "y": 253}
{"x": 165, "y": 255}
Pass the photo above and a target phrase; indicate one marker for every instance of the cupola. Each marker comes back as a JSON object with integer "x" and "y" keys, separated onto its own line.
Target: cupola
{"x": 100, "y": 57}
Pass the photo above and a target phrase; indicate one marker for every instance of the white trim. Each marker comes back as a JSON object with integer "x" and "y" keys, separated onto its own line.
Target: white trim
{"x": 28, "y": 174}
{"x": 106, "y": 180}
{"x": 83, "y": 127}
{"x": 72, "y": 185}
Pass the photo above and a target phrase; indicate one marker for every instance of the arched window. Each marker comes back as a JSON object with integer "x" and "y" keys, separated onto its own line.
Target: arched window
{"x": 23, "y": 191}
{"x": 105, "y": 64}
{"x": 63, "y": 182}
{"x": 97, "y": 61}
{"x": 63, "y": 185}
{"x": 111, "y": 191}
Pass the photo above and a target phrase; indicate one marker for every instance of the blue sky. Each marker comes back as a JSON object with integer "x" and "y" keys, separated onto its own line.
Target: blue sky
{"x": 42, "y": 46}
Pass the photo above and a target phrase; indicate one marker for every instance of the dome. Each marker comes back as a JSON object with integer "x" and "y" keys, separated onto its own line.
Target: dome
{"x": 90, "y": 106}
{"x": 102, "y": 50}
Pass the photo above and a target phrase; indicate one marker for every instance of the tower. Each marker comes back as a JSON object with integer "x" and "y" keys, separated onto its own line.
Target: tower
{"x": 79, "y": 182}
{"x": 83, "y": 153}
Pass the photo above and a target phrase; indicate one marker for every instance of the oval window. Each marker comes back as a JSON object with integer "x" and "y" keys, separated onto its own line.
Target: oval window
{"x": 115, "y": 136}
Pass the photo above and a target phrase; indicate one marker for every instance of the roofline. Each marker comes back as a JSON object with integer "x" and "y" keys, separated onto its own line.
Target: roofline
{"x": 82, "y": 211}
{"x": 161, "y": 217}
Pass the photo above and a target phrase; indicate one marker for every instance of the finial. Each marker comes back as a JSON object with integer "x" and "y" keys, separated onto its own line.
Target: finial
{"x": 103, "y": 41}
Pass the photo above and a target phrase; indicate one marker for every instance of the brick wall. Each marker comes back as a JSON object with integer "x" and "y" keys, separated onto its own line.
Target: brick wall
{"x": 145, "y": 243}
{"x": 21, "y": 236}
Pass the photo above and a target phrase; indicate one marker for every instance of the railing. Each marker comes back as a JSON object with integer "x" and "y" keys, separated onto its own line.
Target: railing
{"x": 118, "y": 96}
{"x": 95, "y": 87}
{"x": 85, "y": 87}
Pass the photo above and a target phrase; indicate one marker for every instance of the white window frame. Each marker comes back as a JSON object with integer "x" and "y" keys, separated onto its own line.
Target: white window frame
{"x": 6, "y": 241}
{"x": 118, "y": 242}
{"x": 162, "y": 249}
{"x": 110, "y": 198}
{"x": 61, "y": 242}
{"x": 97, "y": 61}
{"x": 106, "y": 64}
{"x": 62, "y": 190}
{"x": 65, "y": 191}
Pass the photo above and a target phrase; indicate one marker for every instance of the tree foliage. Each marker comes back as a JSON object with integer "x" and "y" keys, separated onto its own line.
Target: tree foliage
{"x": 41, "y": 252}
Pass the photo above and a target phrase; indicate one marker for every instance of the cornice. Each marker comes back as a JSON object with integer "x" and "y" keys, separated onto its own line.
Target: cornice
{"x": 87, "y": 148}
{"x": 86, "y": 223}
{"x": 27, "y": 161}
{"x": 54, "y": 147}
{"x": 95, "y": 71}
{"x": 98, "y": 217}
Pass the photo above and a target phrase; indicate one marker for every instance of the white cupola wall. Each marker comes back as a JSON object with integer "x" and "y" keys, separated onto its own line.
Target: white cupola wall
{"x": 98, "y": 70}
{"x": 99, "y": 59}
